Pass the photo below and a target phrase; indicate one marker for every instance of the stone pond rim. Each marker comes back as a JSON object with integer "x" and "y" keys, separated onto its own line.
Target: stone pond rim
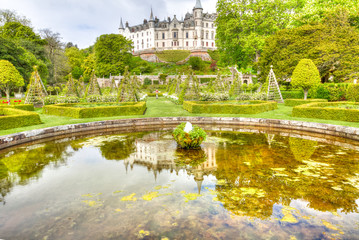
{"x": 39, "y": 134}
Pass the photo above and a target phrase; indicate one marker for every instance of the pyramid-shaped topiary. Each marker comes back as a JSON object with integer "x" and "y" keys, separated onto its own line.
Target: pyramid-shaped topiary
{"x": 71, "y": 90}
{"x": 36, "y": 91}
{"x": 93, "y": 88}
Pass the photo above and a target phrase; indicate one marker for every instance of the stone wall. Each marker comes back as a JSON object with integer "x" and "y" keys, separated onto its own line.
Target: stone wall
{"x": 139, "y": 124}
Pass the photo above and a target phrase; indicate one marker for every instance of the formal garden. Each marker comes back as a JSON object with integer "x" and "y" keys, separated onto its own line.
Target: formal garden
{"x": 260, "y": 142}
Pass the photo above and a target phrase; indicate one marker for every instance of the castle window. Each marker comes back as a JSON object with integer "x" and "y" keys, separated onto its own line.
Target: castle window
{"x": 163, "y": 44}
{"x": 212, "y": 44}
{"x": 156, "y": 35}
{"x": 174, "y": 34}
{"x": 175, "y": 25}
{"x": 163, "y": 35}
{"x": 195, "y": 14}
{"x": 212, "y": 25}
{"x": 187, "y": 44}
{"x": 206, "y": 24}
{"x": 212, "y": 35}
{"x": 186, "y": 34}
{"x": 206, "y": 35}
{"x": 206, "y": 44}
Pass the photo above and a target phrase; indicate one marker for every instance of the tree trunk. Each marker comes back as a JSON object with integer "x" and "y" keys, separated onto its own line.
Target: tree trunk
{"x": 305, "y": 94}
{"x": 7, "y": 91}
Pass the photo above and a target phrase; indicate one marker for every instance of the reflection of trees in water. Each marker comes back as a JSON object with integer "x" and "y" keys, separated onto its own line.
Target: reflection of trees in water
{"x": 258, "y": 176}
{"x": 119, "y": 149}
{"x": 25, "y": 164}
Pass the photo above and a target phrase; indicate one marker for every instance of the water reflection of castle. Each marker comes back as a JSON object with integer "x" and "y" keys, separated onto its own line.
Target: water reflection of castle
{"x": 158, "y": 155}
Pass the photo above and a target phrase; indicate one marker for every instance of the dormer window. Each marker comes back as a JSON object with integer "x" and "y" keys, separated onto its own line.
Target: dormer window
{"x": 175, "y": 25}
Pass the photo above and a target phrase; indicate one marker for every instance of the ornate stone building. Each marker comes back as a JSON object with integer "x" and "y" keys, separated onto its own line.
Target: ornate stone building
{"x": 196, "y": 31}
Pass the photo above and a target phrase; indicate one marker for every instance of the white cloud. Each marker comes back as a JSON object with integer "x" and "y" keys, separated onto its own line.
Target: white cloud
{"x": 81, "y": 21}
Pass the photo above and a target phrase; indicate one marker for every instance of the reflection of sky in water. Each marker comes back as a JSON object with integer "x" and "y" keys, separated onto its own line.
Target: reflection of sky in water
{"x": 247, "y": 185}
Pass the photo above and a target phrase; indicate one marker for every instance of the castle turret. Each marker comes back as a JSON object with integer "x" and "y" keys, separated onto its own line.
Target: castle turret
{"x": 198, "y": 22}
{"x": 152, "y": 20}
{"x": 121, "y": 28}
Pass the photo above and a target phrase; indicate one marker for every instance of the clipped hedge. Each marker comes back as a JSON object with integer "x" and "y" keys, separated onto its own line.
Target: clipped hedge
{"x": 14, "y": 118}
{"x": 293, "y": 94}
{"x": 69, "y": 110}
{"x": 25, "y": 107}
{"x": 228, "y": 107}
{"x": 327, "y": 111}
{"x": 297, "y": 102}
{"x": 173, "y": 56}
{"x": 154, "y": 94}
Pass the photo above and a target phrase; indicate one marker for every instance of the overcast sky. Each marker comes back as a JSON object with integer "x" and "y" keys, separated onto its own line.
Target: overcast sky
{"x": 81, "y": 21}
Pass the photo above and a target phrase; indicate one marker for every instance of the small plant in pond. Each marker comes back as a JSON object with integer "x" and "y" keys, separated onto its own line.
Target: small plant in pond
{"x": 190, "y": 157}
{"x": 188, "y": 136}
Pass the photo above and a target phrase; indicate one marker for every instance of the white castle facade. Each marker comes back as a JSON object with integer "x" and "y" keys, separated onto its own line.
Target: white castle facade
{"x": 196, "y": 31}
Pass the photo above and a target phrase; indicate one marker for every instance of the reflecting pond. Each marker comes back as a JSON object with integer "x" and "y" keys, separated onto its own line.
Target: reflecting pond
{"x": 242, "y": 184}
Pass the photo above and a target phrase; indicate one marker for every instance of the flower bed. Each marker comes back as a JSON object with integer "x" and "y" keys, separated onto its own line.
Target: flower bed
{"x": 229, "y": 107}
{"x": 85, "y": 110}
{"x": 297, "y": 102}
{"x": 329, "y": 110}
{"x": 14, "y": 118}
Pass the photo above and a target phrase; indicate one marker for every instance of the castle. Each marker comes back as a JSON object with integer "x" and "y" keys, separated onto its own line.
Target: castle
{"x": 196, "y": 31}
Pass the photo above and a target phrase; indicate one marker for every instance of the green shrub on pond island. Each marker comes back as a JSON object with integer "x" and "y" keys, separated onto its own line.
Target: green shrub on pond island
{"x": 191, "y": 139}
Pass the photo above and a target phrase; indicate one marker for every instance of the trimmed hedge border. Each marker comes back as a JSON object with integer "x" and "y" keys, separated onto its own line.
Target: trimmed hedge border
{"x": 66, "y": 110}
{"x": 25, "y": 107}
{"x": 14, "y": 118}
{"x": 326, "y": 111}
{"x": 254, "y": 107}
{"x": 154, "y": 94}
{"x": 137, "y": 124}
{"x": 297, "y": 102}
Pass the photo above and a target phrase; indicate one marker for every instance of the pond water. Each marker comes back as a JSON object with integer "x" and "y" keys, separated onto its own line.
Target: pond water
{"x": 242, "y": 184}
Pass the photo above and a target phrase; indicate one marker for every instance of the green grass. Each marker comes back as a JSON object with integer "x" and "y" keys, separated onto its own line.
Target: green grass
{"x": 164, "y": 108}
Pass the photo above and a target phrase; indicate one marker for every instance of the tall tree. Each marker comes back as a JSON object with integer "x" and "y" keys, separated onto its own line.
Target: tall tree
{"x": 333, "y": 45}
{"x": 11, "y": 16}
{"x": 9, "y": 77}
{"x": 75, "y": 58}
{"x": 243, "y": 26}
{"x": 112, "y": 54}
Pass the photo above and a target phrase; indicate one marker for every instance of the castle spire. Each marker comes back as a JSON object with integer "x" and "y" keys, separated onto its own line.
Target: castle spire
{"x": 121, "y": 24}
{"x": 151, "y": 17}
{"x": 198, "y": 5}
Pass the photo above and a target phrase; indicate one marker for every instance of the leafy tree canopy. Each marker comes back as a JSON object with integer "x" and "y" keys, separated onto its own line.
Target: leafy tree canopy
{"x": 112, "y": 54}
{"x": 333, "y": 45}
{"x": 243, "y": 26}
{"x": 9, "y": 77}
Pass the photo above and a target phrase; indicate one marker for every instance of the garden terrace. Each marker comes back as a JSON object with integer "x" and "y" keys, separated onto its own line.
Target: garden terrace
{"x": 91, "y": 110}
{"x": 229, "y": 107}
{"x": 341, "y": 111}
{"x": 14, "y": 118}
{"x": 297, "y": 102}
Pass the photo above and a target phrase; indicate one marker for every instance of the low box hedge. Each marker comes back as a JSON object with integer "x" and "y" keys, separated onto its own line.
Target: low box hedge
{"x": 69, "y": 110}
{"x": 294, "y": 94}
{"x": 329, "y": 110}
{"x": 25, "y": 107}
{"x": 229, "y": 107}
{"x": 154, "y": 94}
{"x": 297, "y": 102}
{"x": 14, "y": 118}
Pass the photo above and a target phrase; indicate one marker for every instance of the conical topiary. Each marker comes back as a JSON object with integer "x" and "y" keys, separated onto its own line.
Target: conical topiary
{"x": 93, "y": 88}
{"x": 71, "y": 90}
{"x": 36, "y": 90}
{"x": 81, "y": 90}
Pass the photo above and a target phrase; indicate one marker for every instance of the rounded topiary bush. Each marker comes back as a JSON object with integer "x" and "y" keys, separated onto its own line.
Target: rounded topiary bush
{"x": 191, "y": 139}
{"x": 305, "y": 76}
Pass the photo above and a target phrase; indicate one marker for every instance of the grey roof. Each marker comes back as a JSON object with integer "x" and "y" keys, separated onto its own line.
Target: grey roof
{"x": 121, "y": 24}
{"x": 198, "y": 5}
{"x": 151, "y": 17}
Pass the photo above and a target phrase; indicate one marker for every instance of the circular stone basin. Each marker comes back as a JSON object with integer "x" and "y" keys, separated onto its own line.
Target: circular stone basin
{"x": 242, "y": 184}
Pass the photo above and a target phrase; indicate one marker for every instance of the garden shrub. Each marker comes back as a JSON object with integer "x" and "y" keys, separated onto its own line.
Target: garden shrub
{"x": 330, "y": 91}
{"x": 190, "y": 140}
{"x": 119, "y": 109}
{"x": 297, "y": 102}
{"x": 214, "y": 54}
{"x": 296, "y": 94}
{"x": 252, "y": 96}
{"x": 196, "y": 63}
{"x": 60, "y": 99}
{"x": 207, "y": 96}
{"x": 14, "y": 118}
{"x": 25, "y": 107}
{"x": 329, "y": 110}
{"x": 173, "y": 56}
{"x": 229, "y": 107}
{"x": 154, "y": 94}
{"x": 147, "y": 81}
{"x": 352, "y": 93}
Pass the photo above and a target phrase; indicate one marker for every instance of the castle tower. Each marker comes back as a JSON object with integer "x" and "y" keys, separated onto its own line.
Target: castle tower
{"x": 121, "y": 28}
{"x": 152, "y": 20}
{"x": 198, "y": 22}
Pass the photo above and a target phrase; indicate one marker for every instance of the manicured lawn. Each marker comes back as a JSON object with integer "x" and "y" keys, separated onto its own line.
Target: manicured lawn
{"x": 164, "y": 108}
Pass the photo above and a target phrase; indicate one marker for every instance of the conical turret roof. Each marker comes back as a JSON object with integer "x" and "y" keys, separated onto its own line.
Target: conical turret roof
{"x": 198, "y": 5}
